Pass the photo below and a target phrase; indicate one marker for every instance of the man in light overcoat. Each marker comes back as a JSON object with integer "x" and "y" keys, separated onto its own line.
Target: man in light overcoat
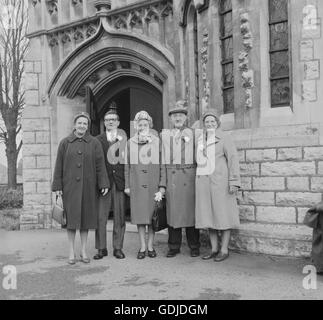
{"x": 178, "y": 175}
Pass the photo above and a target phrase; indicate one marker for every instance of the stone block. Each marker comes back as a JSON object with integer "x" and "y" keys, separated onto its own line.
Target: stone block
{"x": 301, "y": 212}
{"x": 313, "y": 153}
{"x": 246, "y": 183}
{"x": 36, "y": 150}
{"x": 29, "y": 187}
{"x": 44, "y": 187}
{"x": 276, "y": 214}
{"x": 28, "y": 137}
{"x": 242, "y": 155}
{"x": 247, "y": 213}
{"x": 36, "y": 113}
{"x": 35, "y": 124}
{"x": 268, "y": 183}
{"x": 317, "y": 184}
{"x": 29, "y": 66}
{"x": 37, "y": 175}
{"x": 274, "y": 246}
{"x": 31, "y": 81}
{"x": 43, "y": 162}
{"x": 32, "y": 98}
{"x": 37, "y": 67}
{"x": 38, "y": 199}
{"x": 43, "y": 137}
{"x": 249, "y": 169}
{"x": 287, "y": 168}
{"x": 28, "y": 219}
{"x": 297, "y": 198}
{"x": 298, "y": 183}
{"x": 260, "y": 155}
{"x": 29, "y": 162}
{"x": 320, "y": 167}
{"x": 257, "y": 198}
{"x": 290, "y": 153}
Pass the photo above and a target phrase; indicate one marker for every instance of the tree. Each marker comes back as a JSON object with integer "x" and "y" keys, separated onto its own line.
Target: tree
{"x": 13, "y": 46}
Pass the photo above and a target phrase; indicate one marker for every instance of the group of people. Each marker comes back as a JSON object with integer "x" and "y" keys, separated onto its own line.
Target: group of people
{"x": 196, "y": 171}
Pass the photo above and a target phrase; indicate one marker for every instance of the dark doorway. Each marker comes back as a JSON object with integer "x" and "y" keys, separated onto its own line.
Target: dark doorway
{"x": 131, "y": 95}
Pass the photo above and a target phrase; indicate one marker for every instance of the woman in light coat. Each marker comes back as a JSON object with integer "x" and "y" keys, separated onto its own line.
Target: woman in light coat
{"x": 217, "y": 181}
{"x": 142, "y": 176}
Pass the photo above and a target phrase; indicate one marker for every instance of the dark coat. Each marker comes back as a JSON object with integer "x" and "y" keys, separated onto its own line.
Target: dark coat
{"x": 314, "y": 219}
{"x": 142, "y": 179}
{"x": 80, "y": 172}
{"x": 115, "y": 170}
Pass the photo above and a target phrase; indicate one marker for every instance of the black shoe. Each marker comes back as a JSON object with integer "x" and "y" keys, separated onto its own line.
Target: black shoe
{"x": 152, "y": 253}
{"x": 195, "y": 252}
{"x": 172, "y": 253}
{"x": 141, "y": 254}
{"x": 118, "y": 254}
{"x": 209, "y": 256}
{"x": 101, "y": 253}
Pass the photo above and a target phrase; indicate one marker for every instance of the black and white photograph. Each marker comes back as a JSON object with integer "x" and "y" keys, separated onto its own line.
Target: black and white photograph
{"x": 161, "y": 155}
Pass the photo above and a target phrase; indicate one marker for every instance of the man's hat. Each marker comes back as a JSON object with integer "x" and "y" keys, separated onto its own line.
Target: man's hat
{"x": 180, "y": 107}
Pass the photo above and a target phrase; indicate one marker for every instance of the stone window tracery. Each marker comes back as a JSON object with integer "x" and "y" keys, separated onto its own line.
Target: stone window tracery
{"x": 226, "y": 37}
{"x": 279, "y": 53}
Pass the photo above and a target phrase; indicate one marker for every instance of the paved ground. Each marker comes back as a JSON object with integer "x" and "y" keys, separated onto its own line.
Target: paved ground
{"x": 43, "y": 273}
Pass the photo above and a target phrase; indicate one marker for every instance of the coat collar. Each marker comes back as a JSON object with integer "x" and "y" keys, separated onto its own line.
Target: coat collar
{"x": 214, "y": 137}
{"x": 72, "y": 137}
{"x": 151, "y": 136}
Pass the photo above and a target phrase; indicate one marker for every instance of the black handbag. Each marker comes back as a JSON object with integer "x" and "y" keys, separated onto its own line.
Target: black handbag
{"x": 58, "y": 213}
{"x": 159, "y": 218}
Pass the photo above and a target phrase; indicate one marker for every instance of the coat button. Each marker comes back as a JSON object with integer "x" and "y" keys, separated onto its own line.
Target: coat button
{"x": 79, "y": 152}
{"x": 144, "y": 171}
{"x": 80, "y": 140}
{"x": 79, "y": 165}
{"x": 144, "y": 186}
{"x": 174, "y": 172}
{"x": 78, "y": 179}
{"x": 113, "y": 171}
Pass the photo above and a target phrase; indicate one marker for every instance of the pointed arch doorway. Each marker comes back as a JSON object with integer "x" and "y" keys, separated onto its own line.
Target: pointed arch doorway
{"x": 131, "y": 95}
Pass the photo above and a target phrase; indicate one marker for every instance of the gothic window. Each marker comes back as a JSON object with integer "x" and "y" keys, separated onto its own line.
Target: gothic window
{"x": 226, "y": 37}
{"x": 279, "y": 53}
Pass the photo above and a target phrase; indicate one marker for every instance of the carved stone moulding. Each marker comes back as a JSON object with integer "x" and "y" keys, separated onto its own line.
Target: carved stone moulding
{"x": 35, "y": 2}
{"x": 53, "y": 40}
{"x": 51, "y": 6}
{"x": 102, "y": 5}
{"x": 76, "y": 2}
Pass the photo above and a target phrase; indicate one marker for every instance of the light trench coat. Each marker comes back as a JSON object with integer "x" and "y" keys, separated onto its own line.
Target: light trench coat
{"x": 178, "y": 176}
{"x": 217, "y": 169}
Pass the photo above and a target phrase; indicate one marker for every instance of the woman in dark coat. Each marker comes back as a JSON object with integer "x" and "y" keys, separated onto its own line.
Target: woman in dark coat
{"x": 79, "y": 175}
{"x": 142, "y": 176}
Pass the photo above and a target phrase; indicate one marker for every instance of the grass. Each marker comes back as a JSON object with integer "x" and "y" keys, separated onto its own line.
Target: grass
{"x": 9, "y": 219}
{"x": 11, "y": 202}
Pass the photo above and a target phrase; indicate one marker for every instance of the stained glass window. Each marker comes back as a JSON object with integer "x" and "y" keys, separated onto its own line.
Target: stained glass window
{"x": 279, "y": 53}
{"x": 226, "y": 36}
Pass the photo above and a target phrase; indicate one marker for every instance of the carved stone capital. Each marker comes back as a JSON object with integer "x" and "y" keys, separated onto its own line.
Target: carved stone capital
{"x": 51, "y": 6}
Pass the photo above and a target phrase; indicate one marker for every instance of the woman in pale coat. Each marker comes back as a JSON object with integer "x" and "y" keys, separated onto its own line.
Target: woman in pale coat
{"x": 142, "y": 176}
{"x": 217, "y": 181}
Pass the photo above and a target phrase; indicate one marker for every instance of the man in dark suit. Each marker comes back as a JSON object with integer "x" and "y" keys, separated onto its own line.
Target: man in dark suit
{"x": 113, "y": 142}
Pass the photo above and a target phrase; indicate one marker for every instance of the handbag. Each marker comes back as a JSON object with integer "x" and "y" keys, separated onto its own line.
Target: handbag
{"x": 58, "y": 213}
{"x": 312, "y": 217}
{"x": 159, "y": 218}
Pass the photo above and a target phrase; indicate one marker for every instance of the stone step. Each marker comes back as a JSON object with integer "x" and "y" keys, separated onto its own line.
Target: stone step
{"x": 271, "y": 239}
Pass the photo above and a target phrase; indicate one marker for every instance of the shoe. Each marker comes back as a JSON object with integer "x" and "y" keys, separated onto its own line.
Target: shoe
{"x": 85, "y": 260}
{"x": 172, "y": 253}
{"x": 101, "y": 253}
{"x": 141, "y": 254}
{"x": 211, "y": 255}
{"x": 195, "y": 252}
{"x": 118, "y": 254}
{"x": 152, "y": 253}
{"x": 221, "y": 256}
{"x": 72, "y": 261}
